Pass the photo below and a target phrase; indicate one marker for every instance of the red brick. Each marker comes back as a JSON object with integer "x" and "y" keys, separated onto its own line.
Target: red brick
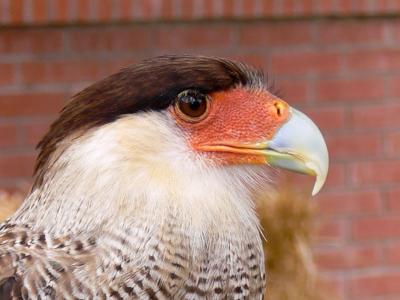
{"x": 126, "y": 39}
{"x": 394, "y": 6}
{"x": 330, "y": 231}
{"x": 375, "y": 285}
{"x": 37, "y": 104}
{"x": 248, "y": 8}
{"x": 62, "y": 10}
{"x": 376, "y": 172}
{"x": 289, "y": 7}
{"x": 83, "y": 12}
{"x": 354, "y": 145}
{"x": 36, "y": 72}
{"x": 59, "y": 72}
{"x": 373, "y": 60}
{"x": 149, "y": 10}
{"x": 351, "y": 32}
{"x": 393, "y": 199}
{"x": 268, "y": 7}
{"x": 326, "y": 6}
{"x": 394, "y": 30}
{"x": 16, "y": 165}
{"x": 375, "y": 228}
{"x": 104, "y": 9}
{"x": 208, "y": 8}
{"x": 125, "y": 9}
{"x": 362, "y": 6}
{"x": 8, "y": 135}
{"x": 385, "y": 115}
{"x": 292, "y": 91}
{"x": 228, "y": 8}
{"x": 194, "y": 36}
{"x": 305, "y": 62}
{"x": 146, "y": 9}
{"x": 30, "y": 41}
{"x": 350, "y": 89}
{"x": 17, "y": 11}
{"x": 188, "y": 9}
{"x": 39, "y": 11}
{"x": 383, "y": 6}
{"x": 307, "y": 7}
{"x": 275, "y": 34}
{"x": 336, "y": 176}
{"x": 88, "y": 40}
{"x": 109, "y": 67}
{"x": 34, "y": 132}
{"x": 255, "y": 60}
{"x": 167, "y": 9}
{"x": 349, "y": 202}
{"x": 391, "y": 253}
{"x": 394, "y": 86}
{"x": 347, "y": 258}
{"x": 327, "y": 118}
{"x": 392, "y": 143}
{"x": 6, "y": 74}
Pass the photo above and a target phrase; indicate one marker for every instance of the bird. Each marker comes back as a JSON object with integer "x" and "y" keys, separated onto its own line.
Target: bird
{"x": 144, "y": 186}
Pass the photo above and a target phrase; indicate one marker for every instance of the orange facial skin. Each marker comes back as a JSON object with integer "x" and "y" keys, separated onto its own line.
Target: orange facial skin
{"x": 239, "y": 117}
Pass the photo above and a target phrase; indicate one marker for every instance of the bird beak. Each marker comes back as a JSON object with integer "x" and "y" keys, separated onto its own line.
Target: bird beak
{"x": 298, "y": 146}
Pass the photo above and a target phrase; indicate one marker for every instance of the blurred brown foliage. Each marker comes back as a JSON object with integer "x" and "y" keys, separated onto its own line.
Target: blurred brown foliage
{"x": 9, "y": 203}
{"x": 287, "y": 225}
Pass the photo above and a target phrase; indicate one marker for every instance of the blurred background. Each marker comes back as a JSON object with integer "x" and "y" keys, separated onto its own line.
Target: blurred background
{"x": 337, "y": 60}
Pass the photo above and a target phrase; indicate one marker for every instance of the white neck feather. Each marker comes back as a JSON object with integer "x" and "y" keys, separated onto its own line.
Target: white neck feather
{"x": 140, "y": 168}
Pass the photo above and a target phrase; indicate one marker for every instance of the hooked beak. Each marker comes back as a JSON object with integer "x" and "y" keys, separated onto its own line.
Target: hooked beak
{"x": 298, "y": 146}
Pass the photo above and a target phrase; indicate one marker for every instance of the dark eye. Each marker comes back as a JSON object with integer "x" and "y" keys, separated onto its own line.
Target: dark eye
{"x": 192, "y": 105}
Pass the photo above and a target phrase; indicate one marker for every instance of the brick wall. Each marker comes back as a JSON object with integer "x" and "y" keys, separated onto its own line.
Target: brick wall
{"x": 337, "y": 60}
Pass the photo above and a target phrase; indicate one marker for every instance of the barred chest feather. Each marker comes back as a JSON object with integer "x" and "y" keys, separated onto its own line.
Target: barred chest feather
{"x": 139, "y": 262}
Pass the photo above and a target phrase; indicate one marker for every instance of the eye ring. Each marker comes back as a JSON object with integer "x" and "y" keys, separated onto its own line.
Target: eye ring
{"x": 192, "y": 106}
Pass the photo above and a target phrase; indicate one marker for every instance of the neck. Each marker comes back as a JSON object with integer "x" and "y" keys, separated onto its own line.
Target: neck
{"x": 73, "y": 204}
{"x": 212, "y": 217}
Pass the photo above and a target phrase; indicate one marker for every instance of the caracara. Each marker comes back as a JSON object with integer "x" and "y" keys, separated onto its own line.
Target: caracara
{"x": 144, "y": 186}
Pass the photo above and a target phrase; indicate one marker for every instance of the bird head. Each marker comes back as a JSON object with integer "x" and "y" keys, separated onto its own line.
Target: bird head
{"x": 172, "y": 121}
{"x": 249, "y": 125}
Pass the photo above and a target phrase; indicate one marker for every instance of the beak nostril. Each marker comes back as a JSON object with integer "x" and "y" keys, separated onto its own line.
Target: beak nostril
{"x": 279, "y": 108}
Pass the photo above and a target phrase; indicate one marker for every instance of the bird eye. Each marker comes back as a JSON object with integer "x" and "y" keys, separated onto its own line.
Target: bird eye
{"x": 192, "y": 105}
